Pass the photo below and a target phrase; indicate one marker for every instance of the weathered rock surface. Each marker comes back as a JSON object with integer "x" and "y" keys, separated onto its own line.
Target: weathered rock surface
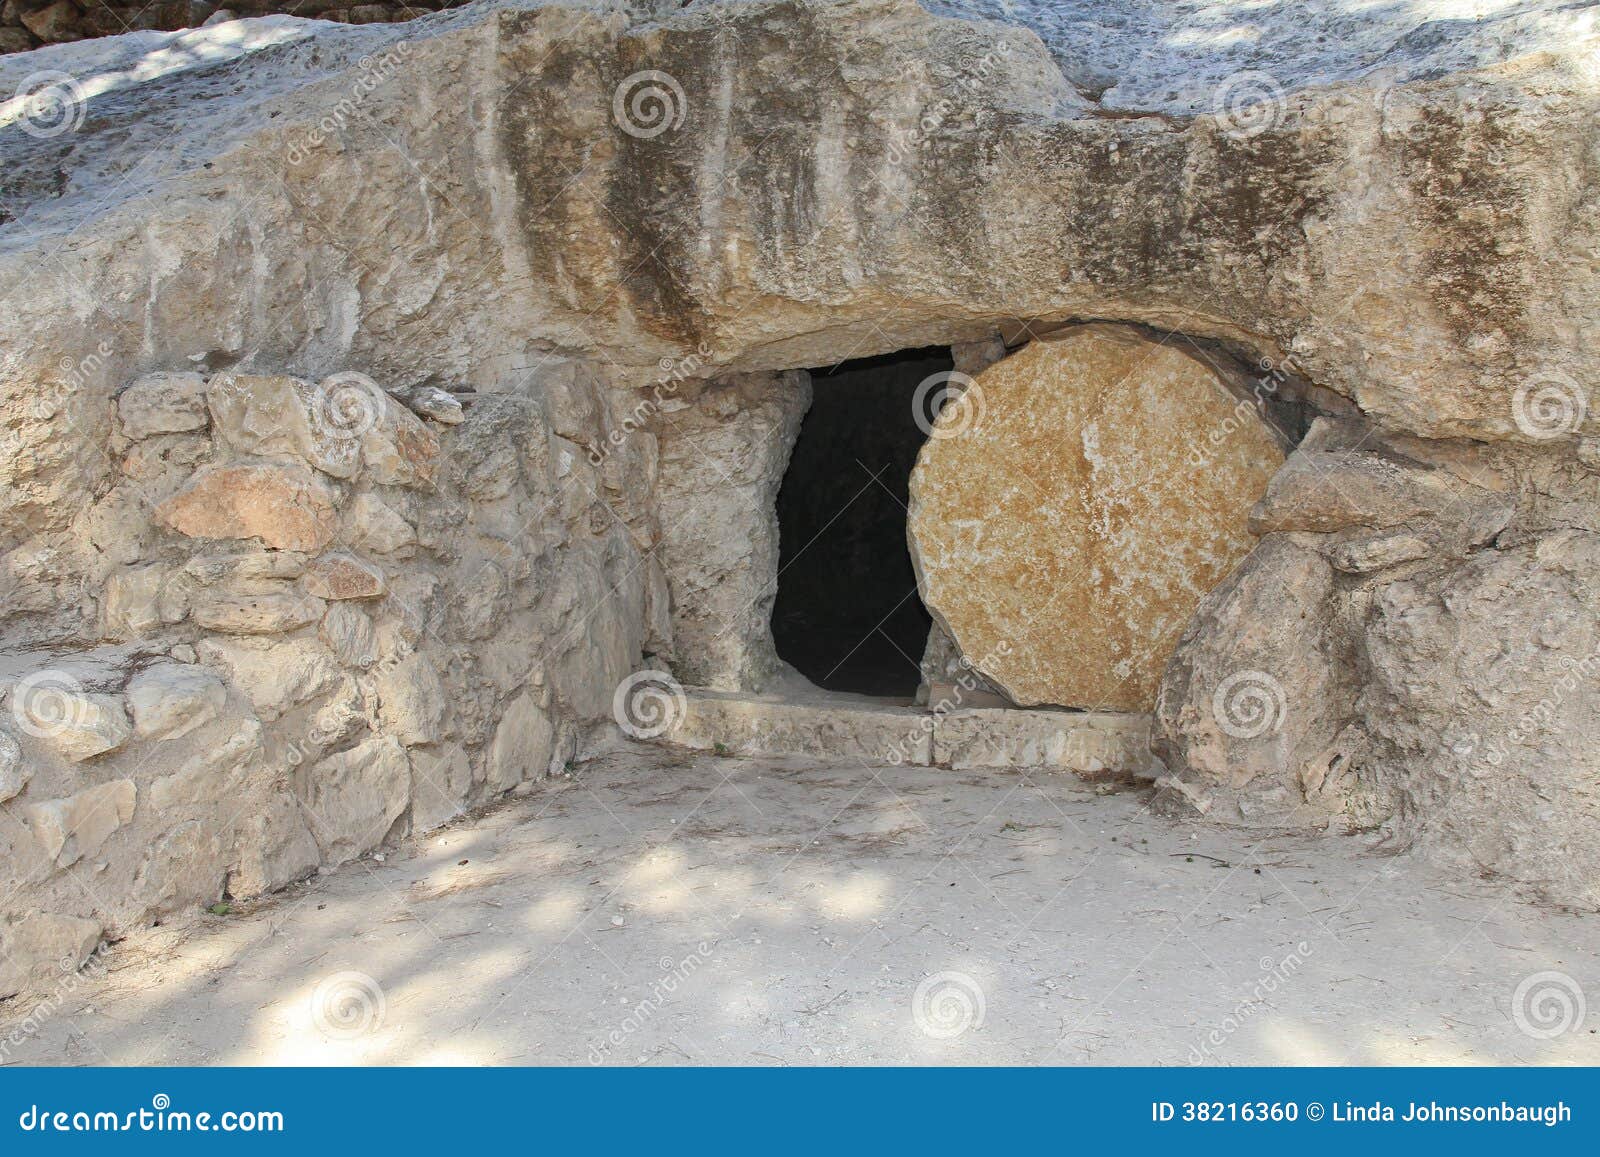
{"x": 38, "y": 948}
{"x": 522, "y": 744}
{"x": 162, "y": 404}
{"x": 723, "y": 453}
{"x": 283, "y": 505}
{"x": 1389, "y": 233}
{"x": 139, "y": 600}
{"x": 1084, "y": 743}
{"x": 277, "y": 675}
{"x": 69, "y": 829}
{"x": 170, "y": 700}
{"x": 348, "y": 632}
{"x": 14, "y": 770}
{"x": 354, "y": 797}
{"x": 257, "y": 614}
{"x": 1252, "y": 693}
{"x": 343, "y": 576}
{"x": 371, "y": 524}
{"x": 76, "y": 723}
{"x": 275, "y": 848}
{"x": 1059, "y": 530}
{"x": 1510, "y": 785}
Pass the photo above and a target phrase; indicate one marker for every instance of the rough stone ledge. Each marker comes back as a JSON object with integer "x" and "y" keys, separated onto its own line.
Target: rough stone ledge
{"x": 1090, "y": 744}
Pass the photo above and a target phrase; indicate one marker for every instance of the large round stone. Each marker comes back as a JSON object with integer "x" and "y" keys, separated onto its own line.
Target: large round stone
{"x": 1070, "y": 510}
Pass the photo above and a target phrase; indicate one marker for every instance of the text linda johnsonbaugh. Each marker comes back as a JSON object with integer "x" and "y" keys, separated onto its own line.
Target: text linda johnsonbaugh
{"x": 1351, "y": 1112}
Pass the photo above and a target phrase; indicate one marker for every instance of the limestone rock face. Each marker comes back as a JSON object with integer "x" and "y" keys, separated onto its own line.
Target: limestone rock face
{"x": 162, "y": 404}
{"x": 41, "y": 947}
{"x": 723, "y": 453}
{"x": 1060, "y": 529}
{"x": 78, "y": 724}
{"x": 14, "y": 770}
{"x": 170, "y": 700}
{"x": 1398, "y": 233}
{"x": 276, "y": 675}
{"x": 522, "y": 744}
{"x": 77, "y": 826}
{"x": 272, "y": 613}
{"x": 1254, "y": 688}
{"x": 411, "y": 699}
{"x": 353, "y": 797}
{"x": 275, "y": 415}
{"x": 283, "y": 505}
{"x": 275, "y": 848}
{"x": 343, "y": 576}
{"x": 1513, "y": 785}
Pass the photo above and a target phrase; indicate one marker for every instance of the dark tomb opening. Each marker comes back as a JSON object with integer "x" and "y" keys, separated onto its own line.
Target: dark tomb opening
{"x": 847, "y": 615}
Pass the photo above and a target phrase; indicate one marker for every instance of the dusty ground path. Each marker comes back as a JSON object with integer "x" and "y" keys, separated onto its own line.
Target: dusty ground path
{"x": 669, "y": 909}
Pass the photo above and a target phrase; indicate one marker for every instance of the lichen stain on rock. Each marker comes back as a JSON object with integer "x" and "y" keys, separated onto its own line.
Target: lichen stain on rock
{"x": 1457, "y": 160}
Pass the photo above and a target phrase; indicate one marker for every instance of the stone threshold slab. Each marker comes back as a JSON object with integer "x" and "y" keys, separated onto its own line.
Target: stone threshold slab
{"x": 1090, "y": 744}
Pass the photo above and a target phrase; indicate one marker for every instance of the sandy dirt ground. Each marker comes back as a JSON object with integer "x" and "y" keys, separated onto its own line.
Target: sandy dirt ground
{"x": 664, "y": 908}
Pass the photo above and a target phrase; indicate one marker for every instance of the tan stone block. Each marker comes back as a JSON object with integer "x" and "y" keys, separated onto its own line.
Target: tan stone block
{"x": 344, "y": 576}
{"x": 1062, "y": 531}
{"x": 163, "y": 404}
{"x": 257, "y": 614}
{"x": 284, "y": 505}
{"x": 42, "y": 947}
{"x": 71, "y": 828}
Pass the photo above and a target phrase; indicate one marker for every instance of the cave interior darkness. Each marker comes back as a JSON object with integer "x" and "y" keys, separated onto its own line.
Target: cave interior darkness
{"x": 847, "y": 615}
